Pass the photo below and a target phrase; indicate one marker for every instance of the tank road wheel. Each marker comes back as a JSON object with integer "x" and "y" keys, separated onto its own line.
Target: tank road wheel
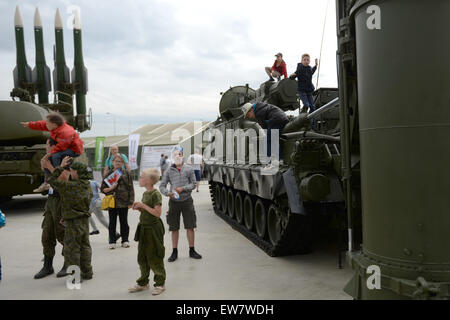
{"x": 248, "y": 212}
{"x": 224, "y": 199}
{"x": 230, "y": 204}
{"x": 217, "y": 196}
{"x": 239, "y": 208}
{"x": 212, "y": 194}
{"x": 274, "y": 225}
{"x": 289, "y": 233}
{"x": 260, "y": 218}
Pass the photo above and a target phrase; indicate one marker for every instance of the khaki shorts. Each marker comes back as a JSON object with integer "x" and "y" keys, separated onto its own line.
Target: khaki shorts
{"x": 186, "y": 207}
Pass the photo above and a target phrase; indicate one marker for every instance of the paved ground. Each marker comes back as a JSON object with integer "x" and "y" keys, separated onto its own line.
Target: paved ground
{"x": 231, "y": 268}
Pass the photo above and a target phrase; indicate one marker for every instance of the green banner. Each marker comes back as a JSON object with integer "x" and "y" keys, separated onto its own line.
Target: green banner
{"x": 99, "y": 147}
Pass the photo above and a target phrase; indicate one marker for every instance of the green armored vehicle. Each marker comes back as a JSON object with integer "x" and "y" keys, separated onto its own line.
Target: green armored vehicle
{"x": 21, "y": 148}
{"x": 279, "y": 211}
{"x": 384, "y": 153}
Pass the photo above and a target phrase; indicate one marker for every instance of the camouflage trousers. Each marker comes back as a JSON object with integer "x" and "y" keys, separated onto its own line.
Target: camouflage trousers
{"x": 77, "y": 249}
{"x": 52, "y": 230}
{"x": 151, "y": 255}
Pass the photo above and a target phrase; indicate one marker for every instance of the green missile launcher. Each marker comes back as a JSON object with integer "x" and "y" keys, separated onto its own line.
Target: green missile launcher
{"x": 21, "y": 148}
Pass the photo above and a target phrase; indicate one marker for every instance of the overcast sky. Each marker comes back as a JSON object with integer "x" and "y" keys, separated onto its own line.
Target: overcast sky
{"x": 155, "y": 61}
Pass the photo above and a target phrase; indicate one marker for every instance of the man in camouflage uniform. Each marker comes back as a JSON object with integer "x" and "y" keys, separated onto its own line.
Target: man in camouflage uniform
{"x": 75, "y": 199}
{"x": 52, "y": 229}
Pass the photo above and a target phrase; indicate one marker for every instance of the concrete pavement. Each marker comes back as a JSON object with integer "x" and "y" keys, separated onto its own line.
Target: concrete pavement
{"x": 232, "y": 267}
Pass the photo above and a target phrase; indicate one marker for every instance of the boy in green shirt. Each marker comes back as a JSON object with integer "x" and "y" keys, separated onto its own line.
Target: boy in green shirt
{"x": 150, "y": 234}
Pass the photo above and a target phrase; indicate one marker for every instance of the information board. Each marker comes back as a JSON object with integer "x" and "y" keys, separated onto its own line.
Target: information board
{"x": 151, "y": 155}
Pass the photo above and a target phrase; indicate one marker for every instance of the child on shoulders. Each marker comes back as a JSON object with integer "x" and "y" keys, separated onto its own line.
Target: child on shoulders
{"x": 68, "y": 143}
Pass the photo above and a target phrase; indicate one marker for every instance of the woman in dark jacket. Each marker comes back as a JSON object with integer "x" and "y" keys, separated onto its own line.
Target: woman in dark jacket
{"x": 123, "y": 192}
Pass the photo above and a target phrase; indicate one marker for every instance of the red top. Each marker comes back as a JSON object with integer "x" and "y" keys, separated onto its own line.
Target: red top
{"x": 281, "y": 68}
{"x": 65, "y": 135}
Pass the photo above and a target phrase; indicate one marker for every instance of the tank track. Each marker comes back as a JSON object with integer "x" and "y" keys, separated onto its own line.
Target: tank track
{"x": 296, "y": 238}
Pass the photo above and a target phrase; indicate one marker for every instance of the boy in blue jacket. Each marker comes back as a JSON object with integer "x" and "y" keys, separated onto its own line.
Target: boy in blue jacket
{"x": 304, "y": 75}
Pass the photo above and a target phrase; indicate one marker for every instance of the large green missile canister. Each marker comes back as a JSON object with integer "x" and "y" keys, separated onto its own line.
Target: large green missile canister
{"x": 403, "y": 69}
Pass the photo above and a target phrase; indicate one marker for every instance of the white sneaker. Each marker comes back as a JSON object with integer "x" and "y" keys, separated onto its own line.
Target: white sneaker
{"x": 138, "y": 288}
{"x": 112, "y": 245}
{"x": 43, "y": 187}
{"x": 158, "y": 290}
{"x": 125, "y": 245}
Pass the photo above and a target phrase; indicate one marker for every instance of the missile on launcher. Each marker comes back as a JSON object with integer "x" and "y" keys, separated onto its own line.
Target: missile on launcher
{"x": 79, "y": 74}
{"x": 61, "y": 73}
{"x": 22, "y": 72}
{"x": 41, "y": 72}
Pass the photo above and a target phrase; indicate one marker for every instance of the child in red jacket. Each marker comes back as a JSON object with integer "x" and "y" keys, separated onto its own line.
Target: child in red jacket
{"x": 68, "y": 143}
{"x": 278, "y": 69}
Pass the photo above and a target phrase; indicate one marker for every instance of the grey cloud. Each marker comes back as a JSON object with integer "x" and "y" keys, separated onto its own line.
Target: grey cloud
{"x": 122, "y": 26}
{"x": 142, "y": 56}
{"x": 108, "y": 26}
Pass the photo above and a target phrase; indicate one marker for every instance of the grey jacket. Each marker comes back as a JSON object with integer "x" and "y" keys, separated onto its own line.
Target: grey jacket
{"x": 185, "y": 178}
{"x": 269, "y": 116}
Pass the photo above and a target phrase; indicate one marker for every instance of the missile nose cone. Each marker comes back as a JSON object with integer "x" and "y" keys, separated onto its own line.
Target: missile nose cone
{"x": 18, "y": 21}
{"x": 58, "y": 20}
{"x": 37, "y": 19}
{"x": 77, "y": 20}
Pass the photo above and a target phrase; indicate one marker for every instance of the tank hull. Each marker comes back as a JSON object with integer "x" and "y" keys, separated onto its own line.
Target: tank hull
{"x": 20, "y": 170}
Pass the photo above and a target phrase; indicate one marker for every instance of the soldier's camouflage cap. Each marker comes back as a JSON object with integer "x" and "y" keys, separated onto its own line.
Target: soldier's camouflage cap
{"x": 83, "y": 170}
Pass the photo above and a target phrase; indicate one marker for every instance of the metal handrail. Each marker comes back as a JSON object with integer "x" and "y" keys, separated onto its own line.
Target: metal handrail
{"x": 330, "y": 105}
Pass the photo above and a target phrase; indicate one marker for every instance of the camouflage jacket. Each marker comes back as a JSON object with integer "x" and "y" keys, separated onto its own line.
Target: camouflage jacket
{"x": 124, "y": 193}
{"x": 75, "y": 195}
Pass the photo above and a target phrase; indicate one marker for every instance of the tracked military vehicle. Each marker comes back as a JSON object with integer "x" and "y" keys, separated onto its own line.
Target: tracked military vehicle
{"x": 21, "y": 148}
{"x": 388, "y": 144}
{"x": 279, "y": 211}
